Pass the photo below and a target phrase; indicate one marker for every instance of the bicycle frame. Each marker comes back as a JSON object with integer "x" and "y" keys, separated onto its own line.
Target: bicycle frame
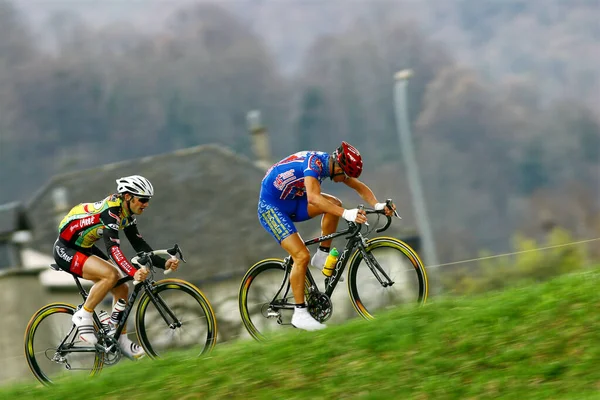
{"x": 162, "y": 308}
{"x": 353, "y": 242}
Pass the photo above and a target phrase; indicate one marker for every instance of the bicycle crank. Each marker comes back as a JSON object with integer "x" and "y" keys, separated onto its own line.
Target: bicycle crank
{"x": 112, "y": 350}
{"x": 319, "y": 306}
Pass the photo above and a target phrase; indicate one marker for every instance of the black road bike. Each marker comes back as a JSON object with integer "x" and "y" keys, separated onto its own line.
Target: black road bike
{"x": 171, "y": 314}
{"x": 383, "y": 272}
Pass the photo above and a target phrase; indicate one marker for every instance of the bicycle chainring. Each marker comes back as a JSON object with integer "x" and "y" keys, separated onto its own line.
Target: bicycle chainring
{"x": 319, "y": 306}
{"x": 114, "y": 355}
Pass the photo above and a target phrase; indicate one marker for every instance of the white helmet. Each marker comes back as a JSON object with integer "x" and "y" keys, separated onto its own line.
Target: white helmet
{"x": 136, "y": 185}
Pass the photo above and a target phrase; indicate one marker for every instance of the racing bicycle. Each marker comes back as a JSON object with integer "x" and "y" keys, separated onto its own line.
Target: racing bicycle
{"x": 171, "y": 314}
{"x": 383, "y": 272}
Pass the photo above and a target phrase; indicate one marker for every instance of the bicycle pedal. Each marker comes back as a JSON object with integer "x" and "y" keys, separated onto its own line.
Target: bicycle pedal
{"x": 273, "y": 314}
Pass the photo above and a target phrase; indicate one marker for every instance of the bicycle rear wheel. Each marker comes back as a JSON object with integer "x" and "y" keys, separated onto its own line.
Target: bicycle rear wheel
{"x": 257, "y": 292}
{"x": 180, "y": 319}
{"x": 50, "y": 361}
{"x": 402, "y": 274}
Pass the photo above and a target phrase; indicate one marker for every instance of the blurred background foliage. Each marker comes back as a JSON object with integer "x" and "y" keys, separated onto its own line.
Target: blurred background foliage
{"x": 505, "y": 101}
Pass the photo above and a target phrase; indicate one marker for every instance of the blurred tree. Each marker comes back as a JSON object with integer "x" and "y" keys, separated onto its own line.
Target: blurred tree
{"x": 532, "y": 170}
{"x": 466, "y": 140}
{"x": 17, "y": 50}
{"x": 312, "y": 124}
{"x": 355, "y": 72}
{"x": 222, "y": 70}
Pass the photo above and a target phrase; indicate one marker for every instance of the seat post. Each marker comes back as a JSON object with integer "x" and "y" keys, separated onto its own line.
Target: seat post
{"x": 81, "y": 289}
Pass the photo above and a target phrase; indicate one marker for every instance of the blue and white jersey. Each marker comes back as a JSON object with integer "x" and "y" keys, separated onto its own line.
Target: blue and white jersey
{"x": 285, "y": 179}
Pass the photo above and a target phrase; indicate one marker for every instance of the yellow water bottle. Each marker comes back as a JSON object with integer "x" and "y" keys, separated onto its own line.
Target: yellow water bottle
{"x": 330, "y": 262}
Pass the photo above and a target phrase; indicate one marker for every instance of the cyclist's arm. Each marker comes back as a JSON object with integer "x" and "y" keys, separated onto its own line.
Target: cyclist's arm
{"x": 363, "y": 190}
{"x": 110, "y": 219}
{"x": 315, "y": 198}
{"x": 139, "y": 244}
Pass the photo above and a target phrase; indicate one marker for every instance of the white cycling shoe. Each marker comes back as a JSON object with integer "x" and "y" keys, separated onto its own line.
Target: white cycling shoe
{"x": 303, "y": 320}
{"x": 85, "y": 326}
{"x": 130, "y": 349}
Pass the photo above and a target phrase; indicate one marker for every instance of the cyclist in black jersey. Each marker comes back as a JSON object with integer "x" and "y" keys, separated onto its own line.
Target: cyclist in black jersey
{"x": 75, "y": 250}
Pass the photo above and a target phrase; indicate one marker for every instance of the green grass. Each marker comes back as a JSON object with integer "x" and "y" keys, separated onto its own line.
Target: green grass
{"x": 531, "y": 342}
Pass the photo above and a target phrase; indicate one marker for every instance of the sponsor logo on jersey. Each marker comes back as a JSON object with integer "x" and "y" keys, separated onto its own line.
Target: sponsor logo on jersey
{"x": 83, "y": 222}
{"x": 63, "y": 254}
{"x": 283, "y": 179}
{"x": 117, "y": 255}
{"x": 115, "y": 240}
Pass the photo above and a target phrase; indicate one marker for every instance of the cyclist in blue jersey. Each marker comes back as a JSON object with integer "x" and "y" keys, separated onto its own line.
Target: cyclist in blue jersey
{"x": 291, "y": 192}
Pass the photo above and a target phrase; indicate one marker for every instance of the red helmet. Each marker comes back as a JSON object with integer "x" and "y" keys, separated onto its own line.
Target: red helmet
{"x": 349, "y": 159}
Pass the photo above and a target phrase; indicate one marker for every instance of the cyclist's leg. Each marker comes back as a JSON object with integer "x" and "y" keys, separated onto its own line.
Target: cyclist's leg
{"x": 103, "y": 274}
{"x": 91, "y": 267}
{"x": 295, "y": 247}
{"x": 329, "y": 222}
{"x": 130, "y": 349}
{"x": 274, "y": 216}
{"x": 119, "y": 292}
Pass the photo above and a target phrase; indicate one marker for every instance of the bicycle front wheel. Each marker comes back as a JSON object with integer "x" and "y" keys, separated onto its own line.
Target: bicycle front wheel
{"x": 175, "y": 316}
{"x": 258, "y": 306}
{"x": 387, "y": 274}
{"x": 52, "y": 349}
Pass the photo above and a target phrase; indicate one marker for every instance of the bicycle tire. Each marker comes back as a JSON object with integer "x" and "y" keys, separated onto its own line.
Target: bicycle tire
{"x": 197, "y": 331}
{"x": 34, "y": 348}
{"x": 253, "y": 303}
{"x": 368, "y": 296}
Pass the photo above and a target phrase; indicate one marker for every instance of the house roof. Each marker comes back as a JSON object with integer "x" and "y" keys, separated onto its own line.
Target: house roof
{"x": 12, "y": 218}
{"x": 206, "y": 199}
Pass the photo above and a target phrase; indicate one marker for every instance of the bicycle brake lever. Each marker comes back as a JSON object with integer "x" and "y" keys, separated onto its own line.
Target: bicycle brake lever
{"x": 362, "y": 208}
{"x": 180, "y": 255}
{"x": 389, "y": 204}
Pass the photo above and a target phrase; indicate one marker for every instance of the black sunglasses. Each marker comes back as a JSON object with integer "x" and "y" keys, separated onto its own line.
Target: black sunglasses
{"x": 339, "y": 173}
{"x": 143, "y": 200}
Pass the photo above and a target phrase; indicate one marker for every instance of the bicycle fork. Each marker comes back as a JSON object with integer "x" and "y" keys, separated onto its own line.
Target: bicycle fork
{"x": 376, "y": 269}
{"x": 163, "y": 309}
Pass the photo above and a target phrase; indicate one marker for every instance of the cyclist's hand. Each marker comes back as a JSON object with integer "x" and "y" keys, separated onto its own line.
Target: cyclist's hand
{"x": 383, "y": 206}
{"x": 140, "y": 275}
{"x": 355, "y": 215}
{"x": 172, "y": 264}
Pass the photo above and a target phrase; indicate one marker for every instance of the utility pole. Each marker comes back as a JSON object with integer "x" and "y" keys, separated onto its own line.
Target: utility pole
{"x": 408, "y": 153}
